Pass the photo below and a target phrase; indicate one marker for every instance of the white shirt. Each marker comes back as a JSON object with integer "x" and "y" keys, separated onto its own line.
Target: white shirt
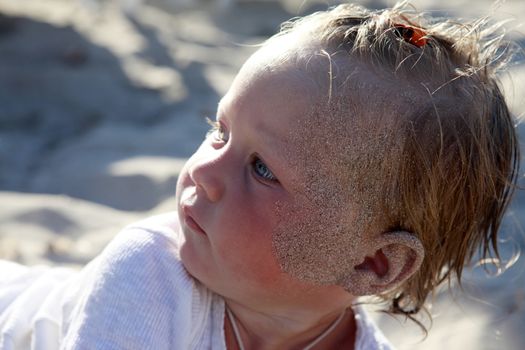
{"x": 135, "y": 295}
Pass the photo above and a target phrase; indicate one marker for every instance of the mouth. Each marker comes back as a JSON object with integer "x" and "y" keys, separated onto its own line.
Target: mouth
{"x": 191, "y": 223}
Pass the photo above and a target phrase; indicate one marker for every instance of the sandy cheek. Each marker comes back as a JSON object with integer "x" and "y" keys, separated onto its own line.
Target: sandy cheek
{"x": 315, "y": 245}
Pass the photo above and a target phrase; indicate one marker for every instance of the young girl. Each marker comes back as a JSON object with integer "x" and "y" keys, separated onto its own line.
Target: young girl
{"x": 356, "y": 153}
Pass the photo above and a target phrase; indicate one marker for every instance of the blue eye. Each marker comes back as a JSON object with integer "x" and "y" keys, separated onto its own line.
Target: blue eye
{"x": 262, "y": 170}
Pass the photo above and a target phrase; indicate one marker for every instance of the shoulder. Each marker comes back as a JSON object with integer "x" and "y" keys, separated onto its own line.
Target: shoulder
{"x": 136, "y": 294}
{"x": 161, "y": 232}
{"x": 146, "y": 250}
{"x": 369, "y": 336}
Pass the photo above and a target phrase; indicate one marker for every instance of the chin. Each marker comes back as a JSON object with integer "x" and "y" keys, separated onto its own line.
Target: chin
{"x": 186, "y": 259}
{"x": 192, "y": 264}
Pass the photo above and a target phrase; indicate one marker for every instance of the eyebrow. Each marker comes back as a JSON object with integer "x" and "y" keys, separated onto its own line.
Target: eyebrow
{"x": 219, "y": 105}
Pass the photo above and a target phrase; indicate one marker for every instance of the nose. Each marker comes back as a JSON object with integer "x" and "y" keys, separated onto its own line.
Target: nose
{"x": 206, "y": 176}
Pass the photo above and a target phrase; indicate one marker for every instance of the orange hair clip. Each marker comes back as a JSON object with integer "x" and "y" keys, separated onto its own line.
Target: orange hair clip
{"x": 413, "y": 35}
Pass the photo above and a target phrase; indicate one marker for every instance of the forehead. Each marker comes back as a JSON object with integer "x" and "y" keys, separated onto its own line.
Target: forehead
{"x": 270, "y": 81}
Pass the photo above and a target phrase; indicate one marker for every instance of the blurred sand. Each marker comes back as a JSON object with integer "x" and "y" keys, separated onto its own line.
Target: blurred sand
{"x": 100, "y": 107}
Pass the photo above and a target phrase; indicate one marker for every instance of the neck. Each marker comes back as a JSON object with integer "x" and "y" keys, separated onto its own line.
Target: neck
{"x": 290, "y": 330}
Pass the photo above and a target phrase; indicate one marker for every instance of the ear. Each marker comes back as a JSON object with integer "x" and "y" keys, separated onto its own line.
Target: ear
{"x": 393, "y": 257}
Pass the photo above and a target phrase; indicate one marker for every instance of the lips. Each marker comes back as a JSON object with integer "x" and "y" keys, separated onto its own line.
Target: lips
{"x": 190, "y": 222}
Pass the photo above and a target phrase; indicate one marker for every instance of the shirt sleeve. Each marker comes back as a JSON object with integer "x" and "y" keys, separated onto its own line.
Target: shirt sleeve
{"x": 25, "y": 294}
{"x": 135, "y": 295}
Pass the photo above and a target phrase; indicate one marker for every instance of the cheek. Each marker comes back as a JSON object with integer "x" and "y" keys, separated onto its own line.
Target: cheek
{"x": 315, "y": 245}
{"x": 247, "y": 245}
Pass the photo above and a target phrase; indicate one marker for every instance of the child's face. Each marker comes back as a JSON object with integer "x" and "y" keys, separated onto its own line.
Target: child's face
{"x": 235, "y": 191}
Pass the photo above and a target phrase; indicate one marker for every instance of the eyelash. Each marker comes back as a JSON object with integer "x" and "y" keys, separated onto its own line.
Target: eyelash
{"x": 218, "y": 129}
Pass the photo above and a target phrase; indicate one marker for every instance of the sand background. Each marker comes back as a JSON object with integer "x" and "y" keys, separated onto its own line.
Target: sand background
{"x": 101, "y": 102}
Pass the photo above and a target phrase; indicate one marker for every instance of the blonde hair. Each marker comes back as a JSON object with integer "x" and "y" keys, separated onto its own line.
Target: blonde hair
{"x": 459, "y": 155}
